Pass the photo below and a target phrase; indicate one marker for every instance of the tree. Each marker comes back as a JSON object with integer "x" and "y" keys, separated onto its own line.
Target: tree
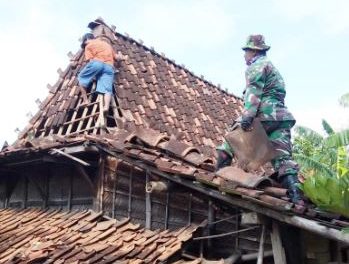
{"x": 324, "y": 161}
{"x": 312, "y": 152}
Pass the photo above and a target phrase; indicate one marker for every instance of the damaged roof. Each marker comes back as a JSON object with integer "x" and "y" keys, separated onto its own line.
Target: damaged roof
{"x": 184, "y": 164}
{"x": 151, "y": 91}
{"x": 188, "y": 116}
{"x": 52, "y": 236}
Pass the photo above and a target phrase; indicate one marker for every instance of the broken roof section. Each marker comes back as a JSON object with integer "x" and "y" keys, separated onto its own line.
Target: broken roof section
{"x": 186, "y": 167}
{"x": 36, "y": 236}
{"x": 151, "y": 91}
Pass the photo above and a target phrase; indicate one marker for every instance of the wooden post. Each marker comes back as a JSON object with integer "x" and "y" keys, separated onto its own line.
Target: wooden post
{"x": 339, "y": 253}
{"x": 147, "y": 205}
{"x": 210, "y": 220}
{"x": 261, "y": 246}
{"x": 114, "y": 196}
{"x": 25, "y": 198}
{"x": 102, "y": 185}
{"x": 70, "y": 192}
{"x": 237, "y": 228}
{"x": 167, "y": 208}
{"x": 190, "y": 208}
{"x": 278, "y": 250}
{"x": 98, "y": 199}
{"x": 11, "y": 184}
{"x": 129, "y": 209}
{"x": 47, "y": 181}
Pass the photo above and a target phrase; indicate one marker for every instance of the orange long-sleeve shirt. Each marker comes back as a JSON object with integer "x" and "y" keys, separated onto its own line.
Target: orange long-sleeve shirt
{"x": 100, "y": 50}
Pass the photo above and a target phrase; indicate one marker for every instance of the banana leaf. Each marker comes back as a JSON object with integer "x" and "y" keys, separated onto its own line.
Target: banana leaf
{"x": 342, "y": 162}
{"x": 328, "y": 193}
{"x": 327, "y": 127}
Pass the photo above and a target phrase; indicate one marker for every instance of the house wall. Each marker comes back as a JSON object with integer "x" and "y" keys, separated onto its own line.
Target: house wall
{"x": 45, "y": 186}
{"x": 124, "y": 196}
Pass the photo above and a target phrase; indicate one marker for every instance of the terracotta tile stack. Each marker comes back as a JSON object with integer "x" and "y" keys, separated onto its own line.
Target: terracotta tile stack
{"x": 36, "y": 236}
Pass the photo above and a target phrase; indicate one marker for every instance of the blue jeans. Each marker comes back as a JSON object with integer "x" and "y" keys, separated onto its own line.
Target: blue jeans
{"x": 104, "y": 74}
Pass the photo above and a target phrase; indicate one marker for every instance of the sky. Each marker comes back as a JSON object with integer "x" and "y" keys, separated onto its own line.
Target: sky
{"x": 309, "y": 42}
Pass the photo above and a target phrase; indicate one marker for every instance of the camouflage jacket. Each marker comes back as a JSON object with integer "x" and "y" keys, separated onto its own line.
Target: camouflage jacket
{"x": 265, "y": 92}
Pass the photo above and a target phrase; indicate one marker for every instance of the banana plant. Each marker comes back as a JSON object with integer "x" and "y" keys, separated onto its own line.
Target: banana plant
{"x": 324, "y": 161}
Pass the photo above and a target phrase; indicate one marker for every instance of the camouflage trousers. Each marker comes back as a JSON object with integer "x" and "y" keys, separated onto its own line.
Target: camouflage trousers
{"x": 279, "y": 134}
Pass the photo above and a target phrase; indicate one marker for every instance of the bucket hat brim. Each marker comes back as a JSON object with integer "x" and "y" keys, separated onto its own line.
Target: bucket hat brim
{"x": 263, "y": 48}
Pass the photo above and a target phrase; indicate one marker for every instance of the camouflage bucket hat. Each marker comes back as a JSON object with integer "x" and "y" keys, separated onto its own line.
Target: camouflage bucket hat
{"x": 256, "y": 42}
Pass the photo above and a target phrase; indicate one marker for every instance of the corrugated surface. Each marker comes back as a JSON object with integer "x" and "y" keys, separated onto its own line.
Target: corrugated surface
{"x": 36, "y": 236}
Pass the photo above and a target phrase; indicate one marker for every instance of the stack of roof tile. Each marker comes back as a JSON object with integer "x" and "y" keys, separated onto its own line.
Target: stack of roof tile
{"x": 36, "y": 236}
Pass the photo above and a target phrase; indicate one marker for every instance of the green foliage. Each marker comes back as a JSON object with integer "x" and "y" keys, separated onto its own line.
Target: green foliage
{"x": 324, "y": 162}
{"x": 312, "y": 153}
{"x": 338, "y": 139}
{"x": 313, "y": 166}
{"x": 328, "y": 193}
{"x": 342, "y": 162}
{"x": 309, "y": 135}
{"x": 326, "y": 126}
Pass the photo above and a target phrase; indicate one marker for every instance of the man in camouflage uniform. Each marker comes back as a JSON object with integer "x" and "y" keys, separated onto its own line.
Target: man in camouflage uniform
{"x": 264, "y": 98}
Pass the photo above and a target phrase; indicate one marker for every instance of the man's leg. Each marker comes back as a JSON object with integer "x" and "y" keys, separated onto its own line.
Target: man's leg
{"x": 285, "y": 166}
{"x": 105, "y": 85}
{"x": 86, "y": 76}
{"x": 288, "y": 177}
{"x": 107, "y": 99}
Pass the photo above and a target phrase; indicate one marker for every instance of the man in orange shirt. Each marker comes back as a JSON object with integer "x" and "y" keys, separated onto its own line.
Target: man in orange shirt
{"x": 100, "y": 57}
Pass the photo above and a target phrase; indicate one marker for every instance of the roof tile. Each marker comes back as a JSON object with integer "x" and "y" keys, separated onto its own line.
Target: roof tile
{"x": 237, "y": 177}
{"x": 148, "y": 85}
{"x": 69, "y": 244}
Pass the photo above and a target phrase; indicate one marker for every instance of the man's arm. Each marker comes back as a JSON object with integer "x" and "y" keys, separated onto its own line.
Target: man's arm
{"x": 255, "y": 81}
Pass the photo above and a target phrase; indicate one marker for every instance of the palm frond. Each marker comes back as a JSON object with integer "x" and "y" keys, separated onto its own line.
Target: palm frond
{"x": 311, "y": 164}
{"x": 338, "y": 139}
{"x": 326, "y": 126}
{"x": 309, "y": 134}
{"x": 344, "y": 100}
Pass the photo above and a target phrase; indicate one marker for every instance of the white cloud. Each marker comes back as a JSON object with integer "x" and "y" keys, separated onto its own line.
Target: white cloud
{"x": 336, "y": 116}
{"x": 184, "y": 24}
{"x": 288, "y": 50}
{"x": 332, "y": 15}
{"x": 31, "y": 62}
